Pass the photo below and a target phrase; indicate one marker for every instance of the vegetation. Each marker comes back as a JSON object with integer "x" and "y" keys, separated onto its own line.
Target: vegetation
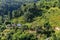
{"x": 39, "y": 21}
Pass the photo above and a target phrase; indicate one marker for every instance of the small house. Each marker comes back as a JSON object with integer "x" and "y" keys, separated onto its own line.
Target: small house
{"x": 13, "y": 25}
{"x": 8, "y": 24}
{"x": 19, "y": 25}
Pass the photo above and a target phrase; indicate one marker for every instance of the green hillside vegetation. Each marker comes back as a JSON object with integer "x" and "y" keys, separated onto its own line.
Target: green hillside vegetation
{"x": 38, "y": 20}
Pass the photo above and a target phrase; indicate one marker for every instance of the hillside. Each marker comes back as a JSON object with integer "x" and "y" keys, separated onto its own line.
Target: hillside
{"x": 31, "y": 21}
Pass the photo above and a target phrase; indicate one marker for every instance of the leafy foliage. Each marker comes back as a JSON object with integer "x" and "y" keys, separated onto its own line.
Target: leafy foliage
{"x": 38, "y": 20}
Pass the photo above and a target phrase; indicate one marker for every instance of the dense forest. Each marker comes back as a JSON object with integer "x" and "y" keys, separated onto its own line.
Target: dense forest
{"x": 30, "y": 20}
